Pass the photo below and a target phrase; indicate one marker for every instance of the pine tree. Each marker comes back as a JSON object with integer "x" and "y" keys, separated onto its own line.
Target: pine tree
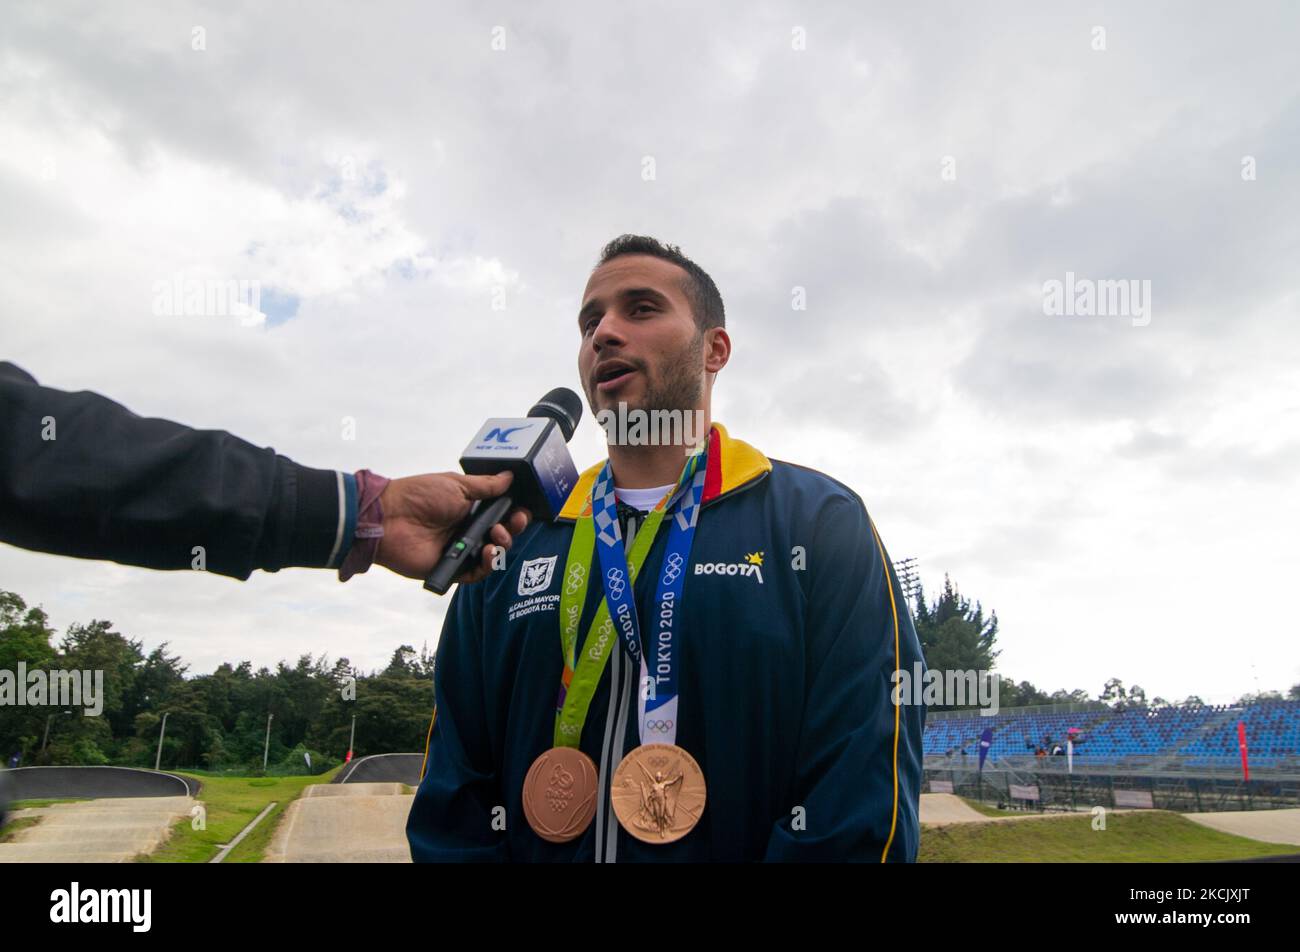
{"x": 954, "y": 634}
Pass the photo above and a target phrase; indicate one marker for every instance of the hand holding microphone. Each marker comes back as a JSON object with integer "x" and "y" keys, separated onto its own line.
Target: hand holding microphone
{"x": 534, "y": 450}
{"x": 422, "y": 512}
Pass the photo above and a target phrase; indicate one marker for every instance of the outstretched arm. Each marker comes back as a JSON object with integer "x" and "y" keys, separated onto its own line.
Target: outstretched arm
{"x": 81, "y": 475}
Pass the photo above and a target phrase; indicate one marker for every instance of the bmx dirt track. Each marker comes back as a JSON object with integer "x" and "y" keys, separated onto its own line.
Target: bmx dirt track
{"x": 94, "y": 783}
{"x": 126, "y": 812}
{"x": 383, "y": 768}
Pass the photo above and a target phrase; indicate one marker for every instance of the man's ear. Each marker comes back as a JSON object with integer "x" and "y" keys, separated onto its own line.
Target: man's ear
{"x": 717, "y": 349}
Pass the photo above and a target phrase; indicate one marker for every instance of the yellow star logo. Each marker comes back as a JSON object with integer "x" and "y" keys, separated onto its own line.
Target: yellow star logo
{"x": 754, "y": 558}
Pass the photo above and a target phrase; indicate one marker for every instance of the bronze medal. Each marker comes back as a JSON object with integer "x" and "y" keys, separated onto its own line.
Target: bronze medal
{"x": 658, "y": 793}
{"x": 560, "y": 794}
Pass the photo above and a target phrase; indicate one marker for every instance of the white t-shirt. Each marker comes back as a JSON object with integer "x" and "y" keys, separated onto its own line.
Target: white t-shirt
{"x": 643, "y": 499}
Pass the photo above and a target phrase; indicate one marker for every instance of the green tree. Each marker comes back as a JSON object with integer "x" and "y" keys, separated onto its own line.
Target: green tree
{"x": 1253, "y": 697}
{"x": 954, "y": 634}
{"x": 25, "y": 636}
{"x": 404, "y": 664}
{"x": 1113, "y": 693}
{"x": 97, "y": 647}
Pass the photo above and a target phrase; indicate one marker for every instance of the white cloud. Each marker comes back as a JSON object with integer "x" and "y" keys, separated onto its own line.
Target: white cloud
{"x": 1095, "y": 483}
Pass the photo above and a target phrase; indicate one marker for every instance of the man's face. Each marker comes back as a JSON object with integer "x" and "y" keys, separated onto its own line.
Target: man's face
{"x": 640, "y": 343}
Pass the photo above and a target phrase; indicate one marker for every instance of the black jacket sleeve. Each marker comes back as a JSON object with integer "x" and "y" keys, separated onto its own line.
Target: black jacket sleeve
{"x": 83, "y": 476}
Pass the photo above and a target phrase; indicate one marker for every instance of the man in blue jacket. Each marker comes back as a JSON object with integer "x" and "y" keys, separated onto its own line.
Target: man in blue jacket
{"x": 740, "y": 706}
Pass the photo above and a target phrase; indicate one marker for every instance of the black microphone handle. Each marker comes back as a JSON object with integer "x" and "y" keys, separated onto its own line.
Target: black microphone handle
{"x": 463, "y": 552}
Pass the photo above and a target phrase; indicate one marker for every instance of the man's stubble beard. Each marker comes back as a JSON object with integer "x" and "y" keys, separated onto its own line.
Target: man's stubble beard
{"x": 681, "y": 385}
{"x": 683, "y": 379}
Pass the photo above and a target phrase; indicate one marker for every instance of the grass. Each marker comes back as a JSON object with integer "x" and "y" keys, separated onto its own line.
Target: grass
{"x": 1146, "y": 836}
{"x": 13, "y": 826}
{"x": 987, "y": 810}
{"x": 232, "y": 803}
{"x": 31, "y": 804}
{"x": 992, "y": 811}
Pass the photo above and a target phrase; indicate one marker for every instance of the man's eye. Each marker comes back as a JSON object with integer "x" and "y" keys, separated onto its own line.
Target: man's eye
{"x": 643, "y": 306}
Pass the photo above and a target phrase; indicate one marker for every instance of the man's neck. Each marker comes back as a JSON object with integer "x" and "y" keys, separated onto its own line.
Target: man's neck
{"x": 647, "y": 467}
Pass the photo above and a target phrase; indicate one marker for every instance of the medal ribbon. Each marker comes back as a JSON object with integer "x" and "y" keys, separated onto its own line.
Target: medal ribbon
{"x": 598, "y": 527}
{"x": 657, "y": 704}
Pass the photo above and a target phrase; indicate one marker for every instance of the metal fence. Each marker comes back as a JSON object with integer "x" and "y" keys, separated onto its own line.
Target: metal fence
{"x": 1069, "y": 707}
{"x": 1184, "y": 790}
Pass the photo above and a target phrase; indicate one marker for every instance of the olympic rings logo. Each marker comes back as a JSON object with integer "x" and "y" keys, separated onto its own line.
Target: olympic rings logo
{"x": 659, "y": 727}
{"x": 569, "y": 729}
{"x": 672, "y": 568}
{"x": 576, "y": 575}
{"x": 616, "y": 583}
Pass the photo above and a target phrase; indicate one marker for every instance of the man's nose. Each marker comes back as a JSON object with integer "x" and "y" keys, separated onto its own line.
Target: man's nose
{"x": 608, "y": 332}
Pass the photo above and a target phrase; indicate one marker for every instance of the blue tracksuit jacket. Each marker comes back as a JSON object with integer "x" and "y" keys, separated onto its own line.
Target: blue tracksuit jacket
{"x": 792, "y": 628}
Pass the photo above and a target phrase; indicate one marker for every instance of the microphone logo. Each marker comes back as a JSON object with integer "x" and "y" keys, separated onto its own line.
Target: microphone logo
{"x": 499, "y": 435}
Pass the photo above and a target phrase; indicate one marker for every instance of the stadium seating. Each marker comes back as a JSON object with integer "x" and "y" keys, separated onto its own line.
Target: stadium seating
{"x": 1196, "y": 736}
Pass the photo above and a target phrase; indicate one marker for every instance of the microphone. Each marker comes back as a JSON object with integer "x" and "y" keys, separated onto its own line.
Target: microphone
{"x": 533, "y": 448}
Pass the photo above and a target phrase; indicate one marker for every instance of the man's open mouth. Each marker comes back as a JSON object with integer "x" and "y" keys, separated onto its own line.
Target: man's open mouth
{"x": 613, "y": 374}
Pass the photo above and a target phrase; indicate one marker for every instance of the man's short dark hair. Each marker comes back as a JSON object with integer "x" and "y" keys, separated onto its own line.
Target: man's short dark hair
{"x": 698, "y": 287}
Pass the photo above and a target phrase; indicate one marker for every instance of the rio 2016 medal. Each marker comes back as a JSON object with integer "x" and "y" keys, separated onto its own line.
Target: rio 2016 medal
{"x": 560, "y": 794}
{"x": 658, "y": 793}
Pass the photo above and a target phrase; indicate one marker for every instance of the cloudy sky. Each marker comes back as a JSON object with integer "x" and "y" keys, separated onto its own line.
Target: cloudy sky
{"x": 422, "y": 190}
